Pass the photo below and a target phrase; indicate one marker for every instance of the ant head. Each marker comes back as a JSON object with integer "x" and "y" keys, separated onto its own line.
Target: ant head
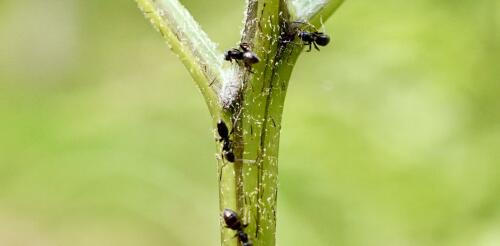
{"x": 227, "y": 57}
{"x": 229, "y": 155}
{"x": 245, "y": 47}
{"x": 322, "y": 39}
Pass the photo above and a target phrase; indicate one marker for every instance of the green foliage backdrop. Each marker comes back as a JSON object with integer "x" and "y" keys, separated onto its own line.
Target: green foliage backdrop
{"x": 390, "y": 134}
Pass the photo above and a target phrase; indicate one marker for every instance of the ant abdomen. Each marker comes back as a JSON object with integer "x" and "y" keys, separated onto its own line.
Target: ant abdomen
{"x": 322, "y": 39}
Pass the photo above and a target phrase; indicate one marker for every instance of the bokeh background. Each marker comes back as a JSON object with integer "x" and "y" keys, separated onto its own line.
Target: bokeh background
{"x": 391, "y": 135}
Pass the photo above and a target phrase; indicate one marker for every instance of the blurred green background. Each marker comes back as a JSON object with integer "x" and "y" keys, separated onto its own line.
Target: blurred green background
{"x": 391, "y": 135}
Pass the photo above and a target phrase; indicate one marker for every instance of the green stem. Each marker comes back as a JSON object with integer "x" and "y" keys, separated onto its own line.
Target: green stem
{"x": 257, "y": 124}
{"x": 250, "y": 103}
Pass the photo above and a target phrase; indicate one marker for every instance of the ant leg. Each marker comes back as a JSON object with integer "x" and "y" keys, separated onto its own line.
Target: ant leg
{"x": 210, "y": 85}
{"x": 315, "y": 46}
{"x": 246, "y": 161}
{"x": 249, "y": 68}
{"x": 219, "y": 140}
{"x": 309, "y": 50}
{"x": 221, "y": 168}
{"x": 306, "y": 23}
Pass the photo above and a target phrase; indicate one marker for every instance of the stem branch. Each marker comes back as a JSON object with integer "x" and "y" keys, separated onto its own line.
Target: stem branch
{"x": 191, "y": 44}
{"x": 250, "y": 103}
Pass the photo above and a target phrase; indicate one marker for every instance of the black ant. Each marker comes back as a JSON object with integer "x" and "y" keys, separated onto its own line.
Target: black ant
{"x": 227, "y": 144}
{"x": 234, "y": 223}
{"x": 245, "y": 54}
{"x": 312, "y": 38}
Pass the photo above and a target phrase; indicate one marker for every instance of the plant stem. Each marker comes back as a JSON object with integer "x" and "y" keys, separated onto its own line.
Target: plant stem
{"x": 250, "y": 103}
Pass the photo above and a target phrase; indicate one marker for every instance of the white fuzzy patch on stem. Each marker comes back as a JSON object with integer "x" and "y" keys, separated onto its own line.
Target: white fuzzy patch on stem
{"x": 304, "y": 9}
{"x": 231, "y": 87}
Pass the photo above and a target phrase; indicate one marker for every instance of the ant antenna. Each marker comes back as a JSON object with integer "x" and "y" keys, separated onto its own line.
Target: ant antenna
{"x": 322, "y": 24}
{"x": 307, "y": 24}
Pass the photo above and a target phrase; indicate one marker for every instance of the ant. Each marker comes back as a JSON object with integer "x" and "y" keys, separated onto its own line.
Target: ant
{"x": 245, "y": 54}
{"x": 313, "y": 38}
{"x": 227, "y": 144}
{"x": 234, "y": 223}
